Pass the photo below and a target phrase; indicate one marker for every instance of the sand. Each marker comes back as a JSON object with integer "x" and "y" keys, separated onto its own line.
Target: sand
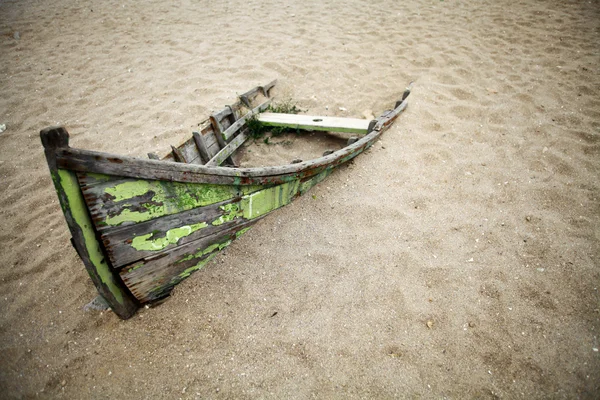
{"x": 458, "y": 258}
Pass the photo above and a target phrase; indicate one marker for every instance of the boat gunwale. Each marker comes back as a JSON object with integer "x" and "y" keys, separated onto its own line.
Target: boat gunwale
{"x": 97, "y": 160}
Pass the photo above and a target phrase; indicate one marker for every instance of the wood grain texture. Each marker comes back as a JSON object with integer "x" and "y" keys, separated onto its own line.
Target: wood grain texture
{"x": 130, "y": 243}
{"x": 227, "y": 151}
{"x": 317, "y": 123}
{"x": 154, "y": 277}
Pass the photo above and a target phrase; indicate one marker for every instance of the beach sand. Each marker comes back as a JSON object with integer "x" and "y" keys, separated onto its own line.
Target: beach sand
{"x": 457, "y": 258}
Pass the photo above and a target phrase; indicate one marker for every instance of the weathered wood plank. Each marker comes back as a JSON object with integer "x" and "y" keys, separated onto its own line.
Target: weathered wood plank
{"x": 133, "y": 242}
{"x": 219, "y": 127}
{"x": 227, "y": 151}
{"x": 107, "y": 282}
{"x": 109, "y": 164}
{"x": 317, "y": 123}
{"x": 131, "y": 201}
{"x": 266, "y": 89}
{"x": 130, "y": 243}
{"x": 190, "y": 152}
{"x": 202, "y": 149}
{"x": 153, "y": 278}
{"x": 177, "y": 155}
{"x": 385, "y": 120}
{"x": 235, "y": 127}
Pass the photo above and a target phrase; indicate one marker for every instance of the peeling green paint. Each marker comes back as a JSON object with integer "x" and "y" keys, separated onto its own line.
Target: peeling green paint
{"x": 241, "y": 232}
{"x": 233, "y": 212}
{"x": 68, "y": 181}
{"x": 306, "y": 185}
{"x": 205, "y": 251}
{"x": 172, "y": 236}
{"x": 195, "y": 268}
{"x": 260, "y": 203}
{"x": 162, "y": 198}
{"x": 135, "y": 266}
{"x": 127, "y": 190}
{"x": 98, "y": 177}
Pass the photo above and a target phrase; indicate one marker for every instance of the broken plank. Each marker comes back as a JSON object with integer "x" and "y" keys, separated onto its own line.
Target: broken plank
{"x": 317, "y": 123}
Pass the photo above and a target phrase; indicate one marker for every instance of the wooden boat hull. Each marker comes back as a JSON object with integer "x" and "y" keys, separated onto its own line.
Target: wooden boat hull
{"x": 141, "y": 226}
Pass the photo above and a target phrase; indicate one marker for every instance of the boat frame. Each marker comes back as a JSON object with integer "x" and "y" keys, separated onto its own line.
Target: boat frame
{"x": 130, "y": 225}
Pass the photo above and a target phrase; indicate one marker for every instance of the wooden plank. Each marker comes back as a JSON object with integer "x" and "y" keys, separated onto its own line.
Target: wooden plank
{"x": 130, "y": 243}
{"x": 266, "y": 89}
{"x": 385, "y": 120}
{"x": 123, "y": 166}
{"x": 131, "y": 201}
{"x": 227, "y": 151}
{"x": 219, "y": 115}
{"x": 219, "y": 127}
{"x": 235, "y": 127}
{"x": 318, "y": 123}
{"x": 189, "y": 151}
{"x": 202, "y": 149}
{"x": 155, "y": 277}
{"x": 107, "y": 282}
{"x": 177, "y": 155}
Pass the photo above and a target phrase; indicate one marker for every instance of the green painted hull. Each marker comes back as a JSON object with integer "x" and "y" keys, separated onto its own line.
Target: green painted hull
{"x": 142, "y": 226}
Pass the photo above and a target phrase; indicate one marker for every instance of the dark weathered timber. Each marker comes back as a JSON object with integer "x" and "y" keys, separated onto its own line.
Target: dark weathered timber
{"x": 153, "y": 156}
{"x": 224, "y": 113}
{"x": 131, "y": 201}
{"x": 91, "y": 161}
{"x": 248, "y": 97}
{"x": 121, "y": 250}
{"x": 177, "y": 155}
{"x": 155, "y": 277}
{"x": 190, "y": 152}
{"x": 266, "y": 89}
{"x": 107, "y": 282}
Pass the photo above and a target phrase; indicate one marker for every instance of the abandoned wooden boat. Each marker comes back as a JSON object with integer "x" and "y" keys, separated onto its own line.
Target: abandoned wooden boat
{"x": 141, "y": 226}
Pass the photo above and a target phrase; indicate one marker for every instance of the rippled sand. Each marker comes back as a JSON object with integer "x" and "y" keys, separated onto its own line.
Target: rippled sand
{"x": 459, "y": 257}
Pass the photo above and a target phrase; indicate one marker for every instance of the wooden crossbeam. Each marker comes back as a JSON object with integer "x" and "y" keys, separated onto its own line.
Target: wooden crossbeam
{"x": 227, "y": 151}
{"x": 315, "y": 123}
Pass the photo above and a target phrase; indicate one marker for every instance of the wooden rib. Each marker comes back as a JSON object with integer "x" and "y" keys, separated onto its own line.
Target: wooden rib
{"x": 219, "y": 115}
{"x": 267, "y": 88}
{"x": 318, "y": 123}
{"x": 247, "y": 97}
{"x": 231, "y": 131}
{"x": 218, "y": 130}
{"x": 227, "y": 151}
{"x": 202, "y": 149}
{"x": 177, "y": 155}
